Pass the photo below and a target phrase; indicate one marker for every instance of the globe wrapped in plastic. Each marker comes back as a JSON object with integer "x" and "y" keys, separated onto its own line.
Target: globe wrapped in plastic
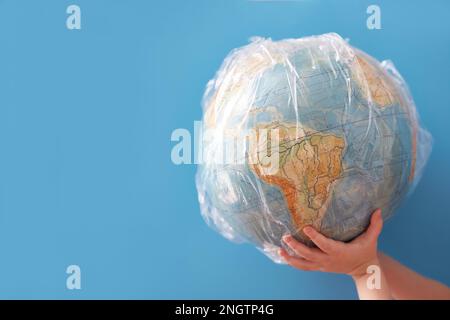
{"x": 308, "y": 131}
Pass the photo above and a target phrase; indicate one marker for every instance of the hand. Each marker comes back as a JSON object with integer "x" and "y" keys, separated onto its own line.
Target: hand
{"x": 351, "y": 258}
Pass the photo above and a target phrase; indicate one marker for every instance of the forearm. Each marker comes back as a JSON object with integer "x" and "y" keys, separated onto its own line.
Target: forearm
{"x": 372, "y": 285}
{"x": 404, "y": 283}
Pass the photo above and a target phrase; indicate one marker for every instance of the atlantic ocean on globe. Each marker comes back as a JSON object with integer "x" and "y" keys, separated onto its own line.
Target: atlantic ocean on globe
{"x": 348, "y": 141}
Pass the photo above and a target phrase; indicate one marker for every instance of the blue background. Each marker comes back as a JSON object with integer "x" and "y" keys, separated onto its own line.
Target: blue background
{"x": 85, "y": 122}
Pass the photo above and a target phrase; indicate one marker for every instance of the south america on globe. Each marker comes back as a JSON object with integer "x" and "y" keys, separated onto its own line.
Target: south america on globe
{"x": 308, "y": 131}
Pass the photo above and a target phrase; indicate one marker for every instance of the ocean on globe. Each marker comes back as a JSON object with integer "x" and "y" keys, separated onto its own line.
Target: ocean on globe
{"x": 308, "y": 131}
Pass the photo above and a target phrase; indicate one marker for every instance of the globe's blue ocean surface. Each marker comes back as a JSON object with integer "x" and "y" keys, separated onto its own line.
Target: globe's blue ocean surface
{"x": 348, "y": 141}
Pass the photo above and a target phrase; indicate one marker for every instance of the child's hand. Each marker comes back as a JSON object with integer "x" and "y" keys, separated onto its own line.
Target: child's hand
{"x": 351, "y": 258}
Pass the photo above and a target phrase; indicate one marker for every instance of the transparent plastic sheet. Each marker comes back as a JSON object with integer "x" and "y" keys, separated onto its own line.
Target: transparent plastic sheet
{"x": 306, "y": 131}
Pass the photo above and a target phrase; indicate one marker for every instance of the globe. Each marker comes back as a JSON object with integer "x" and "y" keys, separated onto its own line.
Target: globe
{"x": 308, "y": 131}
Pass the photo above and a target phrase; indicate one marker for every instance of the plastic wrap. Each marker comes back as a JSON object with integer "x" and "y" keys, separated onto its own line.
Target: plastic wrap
{"x": 308, "y": 131}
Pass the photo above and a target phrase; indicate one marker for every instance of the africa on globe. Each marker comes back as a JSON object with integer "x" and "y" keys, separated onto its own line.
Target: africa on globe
{"x": 324, "y": 135}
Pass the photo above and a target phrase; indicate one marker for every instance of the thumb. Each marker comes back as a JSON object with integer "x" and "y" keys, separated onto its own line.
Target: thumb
{"x": 375, "y": 227}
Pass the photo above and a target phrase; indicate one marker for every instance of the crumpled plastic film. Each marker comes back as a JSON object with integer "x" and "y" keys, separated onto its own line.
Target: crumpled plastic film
{"x": 308, "y": 131}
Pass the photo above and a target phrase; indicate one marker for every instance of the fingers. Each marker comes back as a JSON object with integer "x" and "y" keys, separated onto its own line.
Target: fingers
{"x": 323, "y": 243}
{"x": 301, "y": 250}
{"x": 298, "y": 263}
{"x": 376, "y": 225}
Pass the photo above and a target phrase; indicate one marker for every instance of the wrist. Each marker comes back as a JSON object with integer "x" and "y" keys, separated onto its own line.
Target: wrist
{"x": 361, "y": 270}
